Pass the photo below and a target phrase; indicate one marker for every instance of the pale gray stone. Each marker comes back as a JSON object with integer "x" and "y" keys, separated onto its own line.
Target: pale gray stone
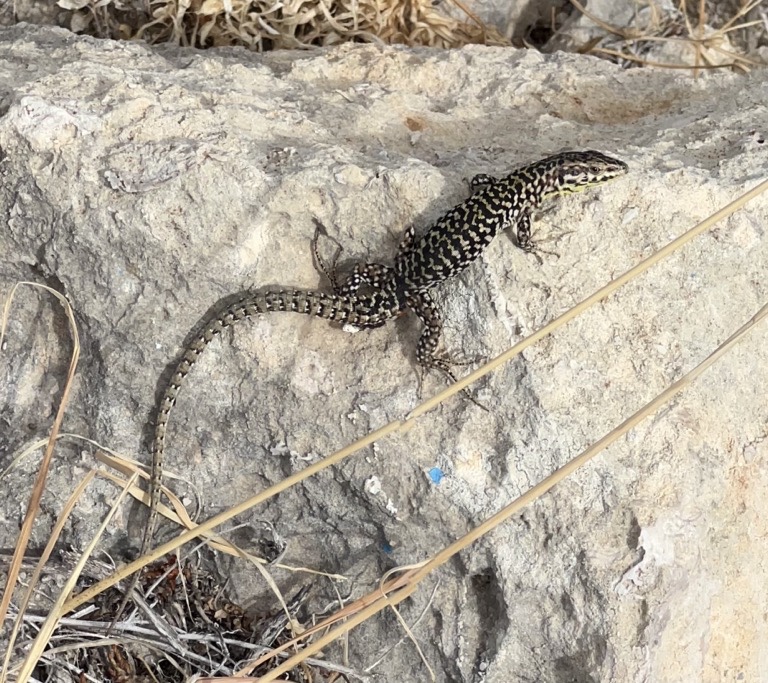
{"x": 148, "y": 183}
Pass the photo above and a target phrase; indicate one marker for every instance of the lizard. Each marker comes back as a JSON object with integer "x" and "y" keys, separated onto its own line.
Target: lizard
{"x": 447, "y": 248}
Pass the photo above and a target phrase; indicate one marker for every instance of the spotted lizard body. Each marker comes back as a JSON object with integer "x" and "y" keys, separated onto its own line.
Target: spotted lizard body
{"x": 447, "y": 248}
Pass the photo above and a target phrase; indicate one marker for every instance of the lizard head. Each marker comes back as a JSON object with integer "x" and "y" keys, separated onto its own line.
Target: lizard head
{"x": 576, "y": 171}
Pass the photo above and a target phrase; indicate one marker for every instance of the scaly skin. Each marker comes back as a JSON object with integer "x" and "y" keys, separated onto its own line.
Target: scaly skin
{"x": 451, "y": 245}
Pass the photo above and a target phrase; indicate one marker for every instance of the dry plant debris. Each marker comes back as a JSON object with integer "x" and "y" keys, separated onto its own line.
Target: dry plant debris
{"x": 663, "y": 35}
{"x": 211, "y": 634}
{"x": 661, "y": 32}
{"x": 274, "y": 24}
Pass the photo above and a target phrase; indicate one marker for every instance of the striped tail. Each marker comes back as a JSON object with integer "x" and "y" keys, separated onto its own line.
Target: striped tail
{"x": 368, "y": 311}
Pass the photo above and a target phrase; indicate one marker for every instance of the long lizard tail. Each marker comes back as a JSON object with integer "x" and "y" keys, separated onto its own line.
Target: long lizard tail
{"x": 317, "y": 304}
{"x": 368, "y": 311}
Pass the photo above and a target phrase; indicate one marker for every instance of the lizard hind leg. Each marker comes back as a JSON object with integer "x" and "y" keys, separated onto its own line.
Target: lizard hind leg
{"x": 374, "y": 275}
{"x": 426, "y": 310}
{"x": 328, "y": 269}
{"x": 407, "y": 241}
{"x": 481, "y": 180}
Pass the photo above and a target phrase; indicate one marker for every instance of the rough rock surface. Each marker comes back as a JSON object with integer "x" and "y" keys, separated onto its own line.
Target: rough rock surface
{"x": 146, "y": 184}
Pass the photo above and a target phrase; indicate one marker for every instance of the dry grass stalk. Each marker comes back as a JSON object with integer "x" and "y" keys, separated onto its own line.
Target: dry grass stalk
{"x": 697, "y": 47}
{"x": 33, "y": 505}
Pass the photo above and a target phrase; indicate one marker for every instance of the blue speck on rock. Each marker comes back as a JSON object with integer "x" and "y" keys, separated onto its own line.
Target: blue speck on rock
{"x": 436, "y": 475}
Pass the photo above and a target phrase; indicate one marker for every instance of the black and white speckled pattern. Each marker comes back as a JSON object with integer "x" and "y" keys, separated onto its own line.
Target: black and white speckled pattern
{"x": 447, "y": 248}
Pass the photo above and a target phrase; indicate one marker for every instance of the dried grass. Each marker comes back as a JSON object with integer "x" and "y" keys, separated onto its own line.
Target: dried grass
{"x": 279, "y": 24}
{"x": 684, "y": 46}
{"x": 263, "y": 25}
{"x": 56, "y": 645}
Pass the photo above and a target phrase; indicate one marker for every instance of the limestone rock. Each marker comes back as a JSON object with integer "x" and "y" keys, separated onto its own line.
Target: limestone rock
{"x": 147, "y": 184}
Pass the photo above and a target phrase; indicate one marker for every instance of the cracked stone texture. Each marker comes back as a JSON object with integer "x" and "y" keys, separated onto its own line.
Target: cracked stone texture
{"x": 147, "y": 184}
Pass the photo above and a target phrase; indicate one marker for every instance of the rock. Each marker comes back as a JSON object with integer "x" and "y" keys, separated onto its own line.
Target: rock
{"x": 147, "y": 184}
